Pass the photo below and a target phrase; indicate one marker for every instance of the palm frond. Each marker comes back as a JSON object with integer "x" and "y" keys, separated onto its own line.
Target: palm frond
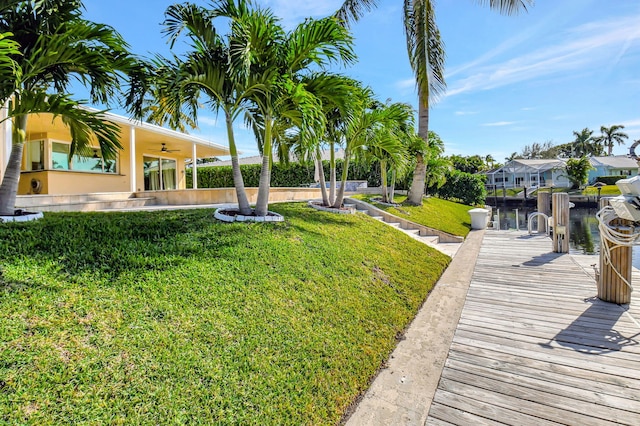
{"x": 352, "y": 10}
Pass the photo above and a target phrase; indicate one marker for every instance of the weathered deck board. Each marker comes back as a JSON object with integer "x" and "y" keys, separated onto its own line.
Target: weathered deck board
{"x": 534, "y": 345}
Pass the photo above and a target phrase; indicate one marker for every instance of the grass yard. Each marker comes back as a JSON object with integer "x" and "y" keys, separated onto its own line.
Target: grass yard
{"x": 435, "y": 213}
{"x": 173, "y": 318}
{"x": 605, "y": 191}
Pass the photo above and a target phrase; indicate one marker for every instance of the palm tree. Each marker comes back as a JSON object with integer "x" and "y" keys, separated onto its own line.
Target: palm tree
{"x": 370, "y": 129}
{"x": 394, "y": 126}
{"x": 426, "y": 55}
{"x": 489, "y": 160}
{"x": 337, "y": 94}
{"x": 583, "y": 144}
{"x": 611, "y": 135}
{"x": 280, "y": 64}
{"x": 214, "y": 69}
{"x": 56, "y": 44}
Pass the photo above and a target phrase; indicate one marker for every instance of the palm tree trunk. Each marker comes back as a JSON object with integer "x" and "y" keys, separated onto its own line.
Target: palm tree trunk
{"x": 393, "y": 186}
{"x": 238, "y": 182}
{"x": 323, "y": 185}
{"x": 343, "y": 181}
{"x": 383, "y": 178}
{"x": 416, "y": 191}
{"x": 262, "y": 203}
{"x": 9, "y": 186}
{"x": 332, "y": 173}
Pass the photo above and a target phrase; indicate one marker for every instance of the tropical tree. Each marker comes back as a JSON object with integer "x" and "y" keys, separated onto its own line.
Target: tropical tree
{"x": 584, "y": 144}
{"x": 374, "y": 126}
{"x": 426, "y": 56}
{"x": 214, "y": 72}
{"x": 281, "y": 67}
{"x": 393, "y": 159}
{"x": 438, "y": 166}
{"x": 489, "y": 160}
{"x": 578, "y": 170}
{"x": 610, "y": 136}
{"x": 55, "y": 46}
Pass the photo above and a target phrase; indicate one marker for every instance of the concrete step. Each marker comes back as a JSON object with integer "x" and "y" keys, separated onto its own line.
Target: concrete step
{"x": 394, "y": 224}
{"x": 35, "y": 201}
{"x": 412, "y": 231}
{"x": 430, "y": 239}
{"x": 93, "y": 205}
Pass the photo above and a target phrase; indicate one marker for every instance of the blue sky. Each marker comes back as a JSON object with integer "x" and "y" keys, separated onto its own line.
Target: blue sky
{"x": 536, "y": 77}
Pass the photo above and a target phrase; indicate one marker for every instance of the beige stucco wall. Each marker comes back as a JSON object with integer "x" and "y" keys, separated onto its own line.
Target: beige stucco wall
{"x": 226, "y": 195}
{"x": 70, "y": 182}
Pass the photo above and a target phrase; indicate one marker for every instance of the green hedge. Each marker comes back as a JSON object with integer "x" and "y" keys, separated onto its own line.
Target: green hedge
{"x": 610, "y": 180}
{"x": 282, "y": 175}
{"x": 465, "y": 187}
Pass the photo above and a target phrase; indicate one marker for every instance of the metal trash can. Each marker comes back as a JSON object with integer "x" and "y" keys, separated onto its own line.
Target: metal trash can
{"x": 479, "y": 218}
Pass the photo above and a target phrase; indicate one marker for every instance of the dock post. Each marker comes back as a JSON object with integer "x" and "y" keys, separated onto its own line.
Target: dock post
{"x": 560, "y": 212}
{"x": 544, "y": 206}
{"x": 617, "y": 272}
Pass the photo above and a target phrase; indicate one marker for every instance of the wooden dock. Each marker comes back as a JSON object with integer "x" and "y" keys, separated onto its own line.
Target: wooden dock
{"x": 534, "y": 346}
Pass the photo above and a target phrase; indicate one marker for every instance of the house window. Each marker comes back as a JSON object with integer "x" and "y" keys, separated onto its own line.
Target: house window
{"x": 88, "y": 161}
{"x": 92, "y": 161}
{"x": 60, "y": 156}
{"x": 519, "y": 181}
{"x": 159, "y": 173}
{"x": 34, "y": 153}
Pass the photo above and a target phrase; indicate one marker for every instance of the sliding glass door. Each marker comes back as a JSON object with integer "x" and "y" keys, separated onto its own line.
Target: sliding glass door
{"x": 159, "y": 173}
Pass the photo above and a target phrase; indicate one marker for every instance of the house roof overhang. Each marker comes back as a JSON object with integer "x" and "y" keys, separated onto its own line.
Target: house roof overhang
{"x": 149, "y": 137}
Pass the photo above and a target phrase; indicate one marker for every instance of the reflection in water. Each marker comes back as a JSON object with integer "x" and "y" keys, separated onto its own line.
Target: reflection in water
{"x": 584, "y": 235}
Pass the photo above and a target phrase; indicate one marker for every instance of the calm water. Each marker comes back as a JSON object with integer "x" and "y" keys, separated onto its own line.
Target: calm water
{"x": 584, "y": 236}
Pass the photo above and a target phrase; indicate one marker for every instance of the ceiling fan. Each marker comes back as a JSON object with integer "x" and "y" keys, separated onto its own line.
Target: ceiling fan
{"x": 166, "y": 150}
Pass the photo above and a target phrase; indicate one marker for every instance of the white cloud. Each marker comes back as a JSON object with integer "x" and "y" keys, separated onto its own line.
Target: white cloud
{"x": 499, "y": 123}
{"x": 466, "y": 112}
{"x": 584, "y": 47}
{"x": 208, "y": 121}
{"x": 292, "y": 12}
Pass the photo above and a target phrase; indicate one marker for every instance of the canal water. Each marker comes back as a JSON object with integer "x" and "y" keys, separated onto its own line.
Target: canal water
{"x": 584, "y": 236}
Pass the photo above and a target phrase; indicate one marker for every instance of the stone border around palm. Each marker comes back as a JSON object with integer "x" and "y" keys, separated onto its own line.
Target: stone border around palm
{"x": 346, "y": 209}
{"x": 232, "y": 214}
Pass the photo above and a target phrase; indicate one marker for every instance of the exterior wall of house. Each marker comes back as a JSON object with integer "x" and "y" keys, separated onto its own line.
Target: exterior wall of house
{"x": 56, "y": 182}
{"x": 226, "y": 195}
{"x": 608, "y": 171}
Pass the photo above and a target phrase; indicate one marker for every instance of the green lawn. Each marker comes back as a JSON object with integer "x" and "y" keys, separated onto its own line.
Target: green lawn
{"x": 606, "y": 190}
{"x": 173, "y": 318}
{"x": 435, "y": 213}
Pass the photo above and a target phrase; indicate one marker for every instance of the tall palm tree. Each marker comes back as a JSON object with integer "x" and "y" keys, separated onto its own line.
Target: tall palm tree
{"x": 583, "y": 143}
{"x": 55, "y": 45}
{"x": 611, "y": 135}
{"x": 426, "y": 56}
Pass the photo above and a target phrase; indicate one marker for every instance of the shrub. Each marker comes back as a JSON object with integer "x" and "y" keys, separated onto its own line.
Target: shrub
{"x": 610, "y": 180}
{"x": 465, "y": 187}
{"x": 282, "y": 175}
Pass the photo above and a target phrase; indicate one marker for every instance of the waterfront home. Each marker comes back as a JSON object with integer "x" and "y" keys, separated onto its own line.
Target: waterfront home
{"x": 615, "y": 165}
{"x": 152, "y": 158}
{"x": 527, "y": 173}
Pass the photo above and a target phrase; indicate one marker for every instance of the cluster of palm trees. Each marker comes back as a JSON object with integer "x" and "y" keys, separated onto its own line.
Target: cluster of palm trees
{"x": 240, "y": 62}
{"x": 584, "y": 144}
